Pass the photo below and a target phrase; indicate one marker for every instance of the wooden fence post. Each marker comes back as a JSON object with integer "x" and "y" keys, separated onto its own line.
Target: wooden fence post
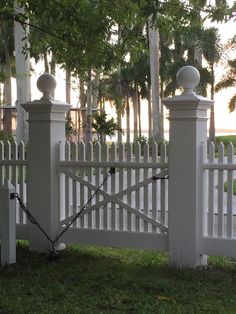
{"x": 8, "y": 224}
{"x": 46, "y": 130}
{"x": 188, "y": 132}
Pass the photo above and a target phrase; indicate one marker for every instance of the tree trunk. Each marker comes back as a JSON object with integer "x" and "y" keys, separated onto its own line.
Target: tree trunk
{"x": 89, "y": 117}
{"x": 139, "y": 118}
{"x": 150, "y": 128}
{"x": 212, "y": 135}
{"x": 135, "y": 109}
{"x": 154, "y": 71}
{"x": 68, "y": 91}
{"x": 22, "y": 77}
{"x": 128, "y": 121}
{"x": 46, "y": 65}
{"x": 7, "y": 119}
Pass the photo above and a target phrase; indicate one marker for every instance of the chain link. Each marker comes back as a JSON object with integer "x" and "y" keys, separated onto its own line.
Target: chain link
{"x": 34, "y": 221}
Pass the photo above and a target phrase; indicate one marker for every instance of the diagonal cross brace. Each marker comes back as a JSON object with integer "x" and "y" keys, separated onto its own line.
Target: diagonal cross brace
{"x": 115, "y": 199}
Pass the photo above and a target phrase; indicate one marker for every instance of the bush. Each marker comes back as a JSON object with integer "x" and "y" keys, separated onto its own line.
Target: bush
{"x": 5, "y": 137}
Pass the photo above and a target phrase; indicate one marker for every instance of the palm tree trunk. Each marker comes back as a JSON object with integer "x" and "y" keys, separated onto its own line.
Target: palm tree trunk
{"x": 68, "y": 91}
{"x": 149, "y": 113}
{"x": 7, "y": 125}
{"x": 212, "y": 136}
{"x": 22, "y": 76}
{"x": 89, "y": 135}
{"x": 154, "y": 70}
{"x": 135, "y": 110}
{"x": 127, "y": 121}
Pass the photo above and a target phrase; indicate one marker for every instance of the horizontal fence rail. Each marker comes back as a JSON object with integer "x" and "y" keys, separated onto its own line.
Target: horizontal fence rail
{"x": 13, "y": 165}
{"x": 131, "y": 200}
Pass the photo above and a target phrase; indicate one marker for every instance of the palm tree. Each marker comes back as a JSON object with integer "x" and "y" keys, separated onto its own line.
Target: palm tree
{"x": 229, "y": 80}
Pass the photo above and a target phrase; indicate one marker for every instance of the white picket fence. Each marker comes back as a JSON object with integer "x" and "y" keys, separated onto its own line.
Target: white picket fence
{"x": 13, "y": 168}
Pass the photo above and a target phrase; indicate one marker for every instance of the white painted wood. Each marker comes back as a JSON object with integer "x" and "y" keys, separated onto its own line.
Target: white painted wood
{"x": 188, "y": 131}
{"x": 105, "y": 154}
{"x": 121, "y": 185}
{"x": 97, "y": 156}
{"x": 163, "y": 187}
{"x": 89, "y": 157}
{"x": 113, "y": 212}
{"x": 211, "y": 191}
{"x": 154, "y": 185}
{"x": 82, "y": 157}
{"x": 46, "y": 130}
{"x": 220, "y": 191}
{"x": 8, "y": 224}
{"x": 74, "y": 156}
{"x": 129, "y": 183}
{"x": 145, "y": 188}
{"x": 218, "y": 246}
{"x": 230, "y": 153}
{"x": 67, "y": 182}
{"x": 137, "y": 153}
{"x": 112, "y": 238}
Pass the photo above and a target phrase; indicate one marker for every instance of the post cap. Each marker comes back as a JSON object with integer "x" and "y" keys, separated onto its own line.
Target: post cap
{"x": 46, "y": 84}
{"x": 188, "y": 77}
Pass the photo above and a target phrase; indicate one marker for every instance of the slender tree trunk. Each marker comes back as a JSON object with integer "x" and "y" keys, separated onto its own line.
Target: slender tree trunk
{"x": 212, "y": 135}
{"x": 53, "y": 68}
{"x": 127, "y": 121}
{"x": 139, "y": 117}
{"x": 22, "y": 77}
{"x": 89, "y": 116}
{"x": 7, "y": 125}
{"x": 135, "y": 109}
{"x": 150, "y": 128}
{"x": 154, "y": 70}
{"x": 68, "y": 90}
{"x": 46, "y": 65}
{"x": 82, "y": 99}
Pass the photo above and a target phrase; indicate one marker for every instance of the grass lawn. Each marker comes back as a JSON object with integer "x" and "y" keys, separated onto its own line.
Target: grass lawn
{"x": 105, "y": 280}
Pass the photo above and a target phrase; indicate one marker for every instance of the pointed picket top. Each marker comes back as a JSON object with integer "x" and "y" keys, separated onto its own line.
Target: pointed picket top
{"x": 221, "y": 149}
{"x": 211, "y": 151}
{"x": 230, "y": 152}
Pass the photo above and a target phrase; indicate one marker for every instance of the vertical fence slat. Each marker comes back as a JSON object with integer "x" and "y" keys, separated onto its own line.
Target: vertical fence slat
{"x": 211, "y": 191}
{"x": 74, "y": 157}
{"x": 230, "y": 192}
{"x": 89, "y": 154}
{"x": 113, "y": 189}
{"x": 97, "y": 182}
{"x": 163, "y": 187}
{"x": 82, "y": 157}
{"x": 129, "y": 182}
{"x": 121, "y": 185}
{"x": 137, "y": 153}
{"x": 220, "y": 191}
{"x": 145, "y": 188}
{"x": 154, "y": 185}
{"x": 105, "y": 154}
{"x": 61, "y": 157}
{"x": 67, "y": 182}
{"x": 8, "y": 157}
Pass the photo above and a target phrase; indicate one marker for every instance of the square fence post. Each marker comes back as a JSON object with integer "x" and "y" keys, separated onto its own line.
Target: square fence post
{"x": 8, "y": 224}
{"x": 188, "y": 134}
{"x": 46, "y": 130}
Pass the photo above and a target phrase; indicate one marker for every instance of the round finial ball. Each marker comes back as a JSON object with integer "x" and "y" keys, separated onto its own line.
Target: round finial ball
{"x": 188, "y": 77}
{"x": 46, "y": 83}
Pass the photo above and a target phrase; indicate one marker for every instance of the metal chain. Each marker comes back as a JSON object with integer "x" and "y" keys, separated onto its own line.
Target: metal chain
{"x": 34, "y": 221}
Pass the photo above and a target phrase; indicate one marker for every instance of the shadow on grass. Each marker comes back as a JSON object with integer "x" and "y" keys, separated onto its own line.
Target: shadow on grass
{"x": 105, "y": 280}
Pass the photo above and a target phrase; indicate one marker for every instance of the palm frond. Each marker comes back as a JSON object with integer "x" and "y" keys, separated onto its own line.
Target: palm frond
{"x": 229, "y": 82}
{"x": 232, "y": 103}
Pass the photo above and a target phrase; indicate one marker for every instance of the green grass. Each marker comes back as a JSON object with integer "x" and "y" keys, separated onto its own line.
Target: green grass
{"x": 234, "y": 186}
{"x": 105, "y": 280}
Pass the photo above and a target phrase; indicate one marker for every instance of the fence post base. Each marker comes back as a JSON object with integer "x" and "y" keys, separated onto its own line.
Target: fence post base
{"x": 8, "y": 224}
